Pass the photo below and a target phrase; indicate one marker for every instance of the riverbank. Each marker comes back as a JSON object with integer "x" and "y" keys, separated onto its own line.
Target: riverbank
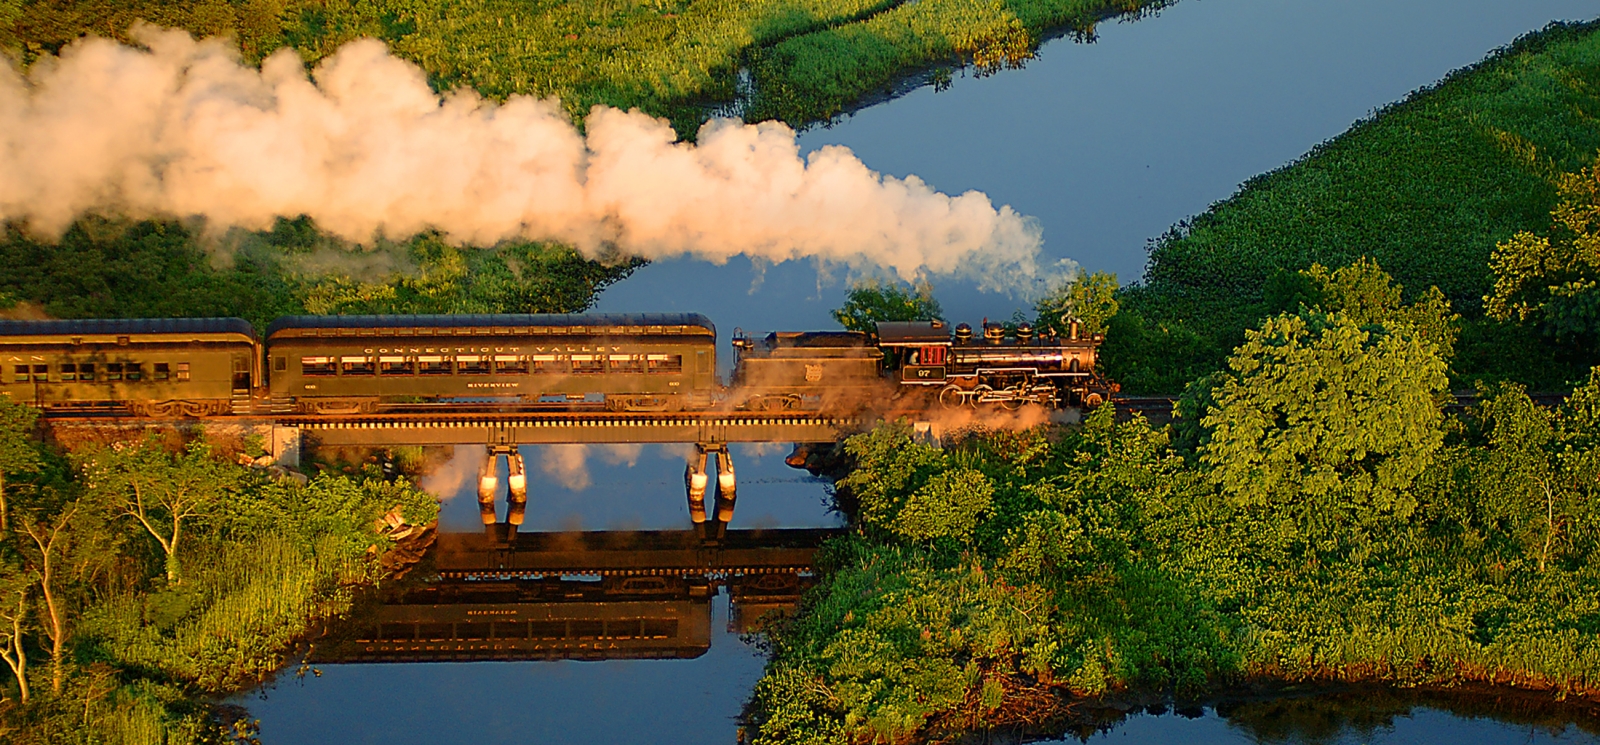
{"x": 1427, "y": 186}
{"x": 1312, "y": 516}
{"x": 142, "y": 580}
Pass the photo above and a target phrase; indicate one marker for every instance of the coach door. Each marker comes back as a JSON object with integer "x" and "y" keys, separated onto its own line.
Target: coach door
{"x": 241, "y": 403}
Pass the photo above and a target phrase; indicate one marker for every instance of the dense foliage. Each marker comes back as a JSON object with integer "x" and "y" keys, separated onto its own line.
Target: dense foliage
{"x": 138, "y": 578}
{"x": 1551, "y": 279}
{"x": 1427, "y": 187}
{"x": 110, "y": 269}
{"x": 871, "y": 302}
{"x": 1314, "y": 515}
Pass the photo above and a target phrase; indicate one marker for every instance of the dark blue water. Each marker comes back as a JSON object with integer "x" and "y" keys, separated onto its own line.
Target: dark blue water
{"x": 1107, "y": 144}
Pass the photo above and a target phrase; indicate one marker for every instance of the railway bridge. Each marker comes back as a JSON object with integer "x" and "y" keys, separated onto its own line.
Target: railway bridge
{"x": 710, "y": 482}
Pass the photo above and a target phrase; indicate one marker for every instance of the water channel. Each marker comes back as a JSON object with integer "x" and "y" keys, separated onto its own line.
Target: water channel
{"x": 1107, "y": 144}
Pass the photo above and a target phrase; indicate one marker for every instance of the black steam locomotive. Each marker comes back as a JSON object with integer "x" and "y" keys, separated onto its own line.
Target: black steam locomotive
{"x": 616, "y": 362}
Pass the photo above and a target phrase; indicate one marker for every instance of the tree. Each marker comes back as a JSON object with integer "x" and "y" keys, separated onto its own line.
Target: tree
{"x": 868, "y": 303}
{"x": 46, "y": 538}
{"x": 1326, "y": 417}
{"x": 14, "y": 586}
{"x": 161, "y": 491}
{"x": 18, "y": 451}
{"x": 1552, "y": 279}
{"x": 1090, "y": 299}
{"x": 1368, "y": 295}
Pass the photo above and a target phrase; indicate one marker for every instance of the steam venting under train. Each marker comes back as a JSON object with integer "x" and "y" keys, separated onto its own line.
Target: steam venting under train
{"x": 651, "y": 362}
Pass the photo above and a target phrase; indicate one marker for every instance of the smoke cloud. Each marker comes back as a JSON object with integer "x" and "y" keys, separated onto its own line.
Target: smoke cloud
{"x": 179, "y": 127}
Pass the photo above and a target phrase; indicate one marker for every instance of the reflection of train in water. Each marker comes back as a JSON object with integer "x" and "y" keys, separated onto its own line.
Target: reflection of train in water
{"x": 616, "y": 362}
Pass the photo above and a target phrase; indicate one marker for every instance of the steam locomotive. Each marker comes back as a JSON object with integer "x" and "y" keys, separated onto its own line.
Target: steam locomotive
{"x": 617, "y": 362}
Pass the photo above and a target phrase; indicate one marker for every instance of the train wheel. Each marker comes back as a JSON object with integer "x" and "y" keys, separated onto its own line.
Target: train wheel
{"x": 1094, "y": 399}
{"x": 981, "y": 395}
{"x": 1012, "y": 404}
{"x": 951, "y": 397}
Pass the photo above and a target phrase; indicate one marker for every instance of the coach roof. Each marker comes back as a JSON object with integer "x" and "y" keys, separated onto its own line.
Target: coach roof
{"x": 127, "y": 327}
{"x": 590, "y": 323}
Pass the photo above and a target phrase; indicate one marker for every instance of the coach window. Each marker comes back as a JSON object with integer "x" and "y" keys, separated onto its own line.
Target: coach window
{"x": 510, "y": 364}
{"x": 113, "y": 371}
{"x": 41, "y": 373}
{"x": 546, "y": 364}
{"x": 85, "y": 371}
{"x": 357, "y": 366}
{"x": 183, "y": 372}
{"x": 627, "y": 363}
{"x": 69, "y": 371}
{"x": 433, "y": 365}
{"x": 396, "y": 366}
{"x": 588, "y": 363}
{"x": 702, "y": 362}
{"x": 21, "y": 374}
{"x": 664, "y": 363}
{"x": 472, "y": 364}
{"x": 132, "y": 371}
{"x": 316, "y": 366}
{"x": 162, "y": 371}
{"x": 280, "y": 364}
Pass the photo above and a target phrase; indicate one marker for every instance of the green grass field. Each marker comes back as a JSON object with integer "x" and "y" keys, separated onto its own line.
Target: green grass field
{"x": 809, "y": 58}
{"x": 1426, "y": 187}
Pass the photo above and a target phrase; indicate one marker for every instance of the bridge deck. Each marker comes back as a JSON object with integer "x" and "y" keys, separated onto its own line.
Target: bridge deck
{"x": 558, "y": 428}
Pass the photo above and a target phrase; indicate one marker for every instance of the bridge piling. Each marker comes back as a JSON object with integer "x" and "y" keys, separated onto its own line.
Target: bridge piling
{"x": 694, "y": 479}
{"x": 726, "y": 485}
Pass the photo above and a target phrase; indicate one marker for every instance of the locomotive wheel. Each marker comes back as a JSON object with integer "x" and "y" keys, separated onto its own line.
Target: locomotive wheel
{"x": 951, "y": 397}
{"x": 1012, "y": 404}
{"x": 979, "y": 395}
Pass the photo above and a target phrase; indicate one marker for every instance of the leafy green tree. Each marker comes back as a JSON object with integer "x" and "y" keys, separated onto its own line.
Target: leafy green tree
{"x": 163, "y": 492}
{"x": 1325, "y": 417}
{"x": 19, "y": 453}
{"x": 1369, "y": 296}
{"x": 1090, "y": 299}
{"x": 888, "y": 466}
{"x": 1552, "y": 279}
{"x": 871, "y": 302}
{"x": 948, "y": 506}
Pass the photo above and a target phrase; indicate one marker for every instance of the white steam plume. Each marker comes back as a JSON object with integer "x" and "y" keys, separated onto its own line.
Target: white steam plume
{"x": 183, "y": 128}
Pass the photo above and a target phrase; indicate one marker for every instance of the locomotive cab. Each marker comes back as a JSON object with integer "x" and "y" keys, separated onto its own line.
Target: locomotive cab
{"x": 918, "y": 351}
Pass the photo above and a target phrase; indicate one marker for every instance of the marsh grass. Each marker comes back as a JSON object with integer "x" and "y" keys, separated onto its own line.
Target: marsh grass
{"x": 1426, "y": 186}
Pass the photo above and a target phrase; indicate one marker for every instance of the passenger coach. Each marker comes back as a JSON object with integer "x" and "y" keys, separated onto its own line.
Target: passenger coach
{"x": 623, "y": 362}
{"x": 147, "y": 367}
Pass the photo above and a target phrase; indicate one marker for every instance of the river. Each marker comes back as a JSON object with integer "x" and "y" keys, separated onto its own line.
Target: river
{"x": 1107, "y": 145}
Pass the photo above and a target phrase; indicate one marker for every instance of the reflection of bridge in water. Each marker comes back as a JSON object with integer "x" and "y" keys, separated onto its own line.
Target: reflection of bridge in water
{"x": 595, "y": 595}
